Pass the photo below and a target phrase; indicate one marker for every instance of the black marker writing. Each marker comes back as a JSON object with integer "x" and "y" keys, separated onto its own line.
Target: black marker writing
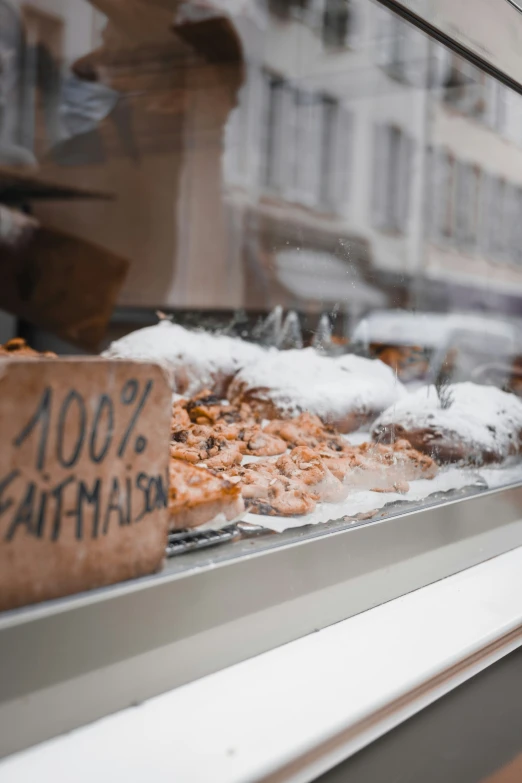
{"x": 24, "y": 513}
{"x": 154, "y": 494}
{"x": 5, "y": 504}
{"x": 42, "y": 415}
{"x": 128, "y": 483}
{"x": 77, "y": 431}
{"x": 90, "y": 506}
{"x": 57, "y": 494}
{"x": 114, "y": 504}
{"x": 40, "y": 520}
{"x": 127, "y": 399}
{"x": 72, "y": 397}
{"x": 86, "y": 497}
{"x": 104, "y": 405}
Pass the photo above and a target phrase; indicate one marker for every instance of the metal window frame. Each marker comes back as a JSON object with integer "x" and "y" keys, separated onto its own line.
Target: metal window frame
{"x": 469, "y": 44}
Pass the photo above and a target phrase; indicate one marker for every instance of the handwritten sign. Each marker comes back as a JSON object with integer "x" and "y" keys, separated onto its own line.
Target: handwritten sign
{"x": 83, "y": 475}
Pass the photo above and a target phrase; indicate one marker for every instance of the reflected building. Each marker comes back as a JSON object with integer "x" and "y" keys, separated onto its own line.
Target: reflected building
{"x": 37, "y": 42}
{"x": 473, "y": 256}
{"x": 323, "y": 155}
{"x": 356, "y": 147}
{"x": 324, "y": 158}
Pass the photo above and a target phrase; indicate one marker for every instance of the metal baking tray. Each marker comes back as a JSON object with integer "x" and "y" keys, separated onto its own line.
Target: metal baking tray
{"x": 70, "y": 661}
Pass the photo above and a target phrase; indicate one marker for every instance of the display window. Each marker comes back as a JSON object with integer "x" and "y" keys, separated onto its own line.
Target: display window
{"x": 261, "y": 290}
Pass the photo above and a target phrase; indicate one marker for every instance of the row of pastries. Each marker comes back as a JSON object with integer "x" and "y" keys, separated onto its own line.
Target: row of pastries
{"x": 266, "y": 429}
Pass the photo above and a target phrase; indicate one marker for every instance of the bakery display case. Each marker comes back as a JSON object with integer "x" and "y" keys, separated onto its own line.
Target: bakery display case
{"x": 263, "y": 280}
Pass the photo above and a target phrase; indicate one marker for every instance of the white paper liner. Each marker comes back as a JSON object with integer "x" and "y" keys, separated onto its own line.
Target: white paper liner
{"x": 502, "y": 475}
{"x": 360, "y": 502}
{"x": 218, "y": 522}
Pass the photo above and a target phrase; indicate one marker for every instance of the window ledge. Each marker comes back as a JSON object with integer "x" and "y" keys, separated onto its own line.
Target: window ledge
{"x": 302, "y": 708}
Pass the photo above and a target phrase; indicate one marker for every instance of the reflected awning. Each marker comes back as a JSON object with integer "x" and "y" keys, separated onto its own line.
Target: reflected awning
{"x": 316, "y": 275}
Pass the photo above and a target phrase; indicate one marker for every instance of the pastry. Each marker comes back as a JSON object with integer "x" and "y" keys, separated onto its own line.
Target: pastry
{"x": 377, "y": 467}
{"x": 199, "y": 443}
{"x": 208, "y": 408}
{"x": 180, "y": 419}
{"x": 207, "y": 429}
{"x": 465, "y": 423}
{"x": 304, "y": 465}
{"x": 314, "y": 462}
{"x": 291, "y": 485}
{"x": 193, "y": 360}
{"x": 389, "y": 468}
{"x": 17, "y": 348}
{"x": 267, "y": 491}
{"x": 345, "y": 392}
{"x": 255, "y": 442}
{"x": 198, "y": 497}
{"x": 307, "y": 430}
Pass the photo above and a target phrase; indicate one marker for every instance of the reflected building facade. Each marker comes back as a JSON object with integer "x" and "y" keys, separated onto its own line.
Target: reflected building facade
{"x": 339, "y": 161}
{"x": 390, "y": 161}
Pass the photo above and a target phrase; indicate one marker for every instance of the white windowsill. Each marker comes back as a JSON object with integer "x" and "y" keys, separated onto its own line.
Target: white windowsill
{"x": 300, "y": 709}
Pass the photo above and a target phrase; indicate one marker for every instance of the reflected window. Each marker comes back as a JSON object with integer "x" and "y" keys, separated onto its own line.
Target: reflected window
{"x": 43, "y": 64}
{"x": 513, "y": 221}
{"x": 279, "y": 7}
{"x": 492, "y": 198}
{"x": 496, "y": 105}
{"x": 497, "y": 234}
{"x": 465, "y": 88}
{"x": 467, "y": 178}
{"x": 241, "y": 152}
{"x": 336, "y": 155}
{"x": 393, "y": 150}
{"x": 337, "y": 22}
{"x": 306, "y": 127}
{"x": 286, "y": 8}
{"x": 302, "y": 8}
{"x": 307, "y": 146}
{"x": 11, "y": 74}
{"x": 276, "y": 105}
{"x": 443, "y": 176}
{"x": 400, "y": 50}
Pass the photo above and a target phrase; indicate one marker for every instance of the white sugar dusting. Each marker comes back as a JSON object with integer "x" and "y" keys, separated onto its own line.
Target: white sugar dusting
{"x": 192, "y": 360}
{"x": 478, "y": 416}
{"x": 303, "y": 380}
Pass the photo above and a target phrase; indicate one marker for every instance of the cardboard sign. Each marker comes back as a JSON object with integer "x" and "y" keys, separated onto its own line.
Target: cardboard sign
{"x": 83, "y": 475}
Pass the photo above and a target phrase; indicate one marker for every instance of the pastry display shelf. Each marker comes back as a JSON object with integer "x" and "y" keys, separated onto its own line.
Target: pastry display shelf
{"x": 68, "y": 662}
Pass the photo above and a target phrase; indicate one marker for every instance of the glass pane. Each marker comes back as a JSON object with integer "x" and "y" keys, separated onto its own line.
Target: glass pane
{"x": 324, "y": 204}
